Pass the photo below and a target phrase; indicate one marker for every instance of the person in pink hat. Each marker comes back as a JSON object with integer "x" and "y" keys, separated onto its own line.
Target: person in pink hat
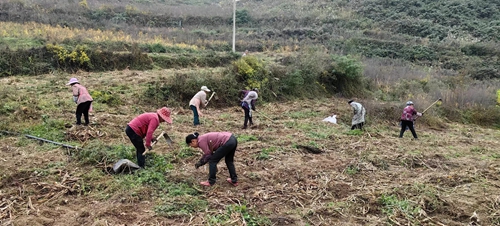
{"x": 142, "y": 127}
{"x": 83, "y": 100}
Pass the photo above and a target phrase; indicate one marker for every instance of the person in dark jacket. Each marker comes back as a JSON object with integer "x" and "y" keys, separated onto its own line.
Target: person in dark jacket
{"x": 248, "y": 104}
{"x": 409, "y": 115}
{"x": 215, "y": 146}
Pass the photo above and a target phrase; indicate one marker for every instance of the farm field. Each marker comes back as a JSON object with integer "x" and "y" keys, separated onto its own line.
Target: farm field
{"x": 450, "y": 176}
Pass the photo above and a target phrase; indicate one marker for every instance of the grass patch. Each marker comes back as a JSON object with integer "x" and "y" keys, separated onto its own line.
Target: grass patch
{"x": 392, "y": 206}
{"x": 49, "y": 129}
{"x": 264, "y": 154}
{"x": 246, "y": 137}
{"x": 352, "y": 170}
{"x": 180, "y": 207}
{"x": 355, "y": 132}
{"x": 240, "y": 211}
{"x": 301, "y": 114}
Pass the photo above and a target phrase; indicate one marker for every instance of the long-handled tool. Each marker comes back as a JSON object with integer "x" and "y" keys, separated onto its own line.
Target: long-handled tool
{"x": 265, "y": 116}
{"x": 208, "y": 101}
{"x": 438, "y": 100}
{"x": 164, "y": 135}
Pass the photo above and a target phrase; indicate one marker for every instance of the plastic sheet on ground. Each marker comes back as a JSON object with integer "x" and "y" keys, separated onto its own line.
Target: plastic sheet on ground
{"x": 332, "y": 119}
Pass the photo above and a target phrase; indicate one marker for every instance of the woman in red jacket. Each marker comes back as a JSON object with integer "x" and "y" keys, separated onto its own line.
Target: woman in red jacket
{"x": 215, "y": 146}
{"x": 142, "y": 127}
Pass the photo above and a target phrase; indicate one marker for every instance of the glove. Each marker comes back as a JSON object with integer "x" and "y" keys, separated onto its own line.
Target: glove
{"x": 153, "y": 140}
{"x": 197, "y": 165}
{"x": 149, "y": 148}
{"x": 253, "y": 109}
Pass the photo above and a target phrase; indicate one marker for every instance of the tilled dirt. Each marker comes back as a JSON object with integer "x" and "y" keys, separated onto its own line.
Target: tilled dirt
{"x": 449, "y": 174}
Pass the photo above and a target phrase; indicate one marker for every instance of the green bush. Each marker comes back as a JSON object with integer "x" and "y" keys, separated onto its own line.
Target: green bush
{"x": 156, "y": 48}
{"x": 485, "y": 116}
{"x": 251, "y": 72}
{"x": 105, "y": 97}
{"x": 180, "y": 88}
{"x": 345, "y": 76}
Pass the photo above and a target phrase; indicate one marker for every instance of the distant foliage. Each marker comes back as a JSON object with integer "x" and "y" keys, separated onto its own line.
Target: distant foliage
{"x": 105, "y": 97}
{"x": 251, "y": 72}
{"x": 180, "y": 88}
{"x": 436, "y": 19}
{"x": 498, "y": 97}
{"x": 243, "y": 17}
{"x": 345, "y": 76}
{"x": 482, "y": 49}
{"x": 71, "y": 57}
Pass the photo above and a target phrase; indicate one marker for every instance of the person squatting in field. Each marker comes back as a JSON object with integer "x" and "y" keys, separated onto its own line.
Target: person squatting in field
{"x": 215, "y": 146}
{"x": 358, "y": 119}
{"x": 83, "y": 100}
{"x": 248, "y": 104}
{"x": 143, "y": 126}
{"x": 407, "y": 118}
{"x": 198, "y": 100}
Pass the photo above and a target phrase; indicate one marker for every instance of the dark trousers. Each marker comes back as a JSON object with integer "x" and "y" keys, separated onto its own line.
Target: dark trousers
{"x": 83, "y": 108}
{"x": 248, "y": 117}
{"x": 409, "y": 124}
{"x": 358, "y": 126}
{"x": 227, "y": 150}
{"x": 138, "y": 143}
{"x": 196, "y": 119}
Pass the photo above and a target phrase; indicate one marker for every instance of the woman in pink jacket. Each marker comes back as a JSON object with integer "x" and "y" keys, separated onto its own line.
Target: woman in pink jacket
{"x": 215, "y": 146}
{"x": 83, "y": 100}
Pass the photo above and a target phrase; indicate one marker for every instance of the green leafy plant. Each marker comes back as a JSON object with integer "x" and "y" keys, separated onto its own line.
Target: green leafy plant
{"x": 264, "y": 153}
{"x": 352, "y": 170}
{"x": 355, "y": 132}
{"x": 246, "y": 137}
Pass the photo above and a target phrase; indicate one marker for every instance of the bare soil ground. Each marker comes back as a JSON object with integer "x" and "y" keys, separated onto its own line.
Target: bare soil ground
{"x": 449, "y": 176}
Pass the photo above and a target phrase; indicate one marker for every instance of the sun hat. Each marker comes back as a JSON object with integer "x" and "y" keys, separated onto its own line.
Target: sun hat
{"x": 164, "y": 113}
{"x": 72, "y": 81}
{"x": 409, "y": 103}
{"x": 204, "y": 88}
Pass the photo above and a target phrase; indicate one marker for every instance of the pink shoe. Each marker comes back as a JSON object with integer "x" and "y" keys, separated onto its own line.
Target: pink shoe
{"x": 205, "y": 183}
{"x": 231, "y": 182}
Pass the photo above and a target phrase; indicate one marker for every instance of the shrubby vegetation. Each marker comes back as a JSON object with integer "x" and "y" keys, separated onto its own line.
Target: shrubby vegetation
{"x": 330, "y": 55}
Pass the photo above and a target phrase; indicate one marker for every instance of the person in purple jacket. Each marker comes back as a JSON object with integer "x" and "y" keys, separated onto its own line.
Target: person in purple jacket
{"x": 215, "y": 146}
{"x": 409, "y": 115}
{"x": 249, "y": 97}
{"x": 142, "y": 127}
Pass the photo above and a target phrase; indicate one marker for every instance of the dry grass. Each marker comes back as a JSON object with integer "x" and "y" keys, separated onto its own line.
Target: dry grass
{"x": 446, "y": 176}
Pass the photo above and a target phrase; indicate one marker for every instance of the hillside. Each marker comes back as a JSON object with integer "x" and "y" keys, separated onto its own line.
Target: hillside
{"x": 363, "y": 178}
{"x": 308, "y": 58}
{"x": 456, "y": 35}
{"x": 360, "y": 178}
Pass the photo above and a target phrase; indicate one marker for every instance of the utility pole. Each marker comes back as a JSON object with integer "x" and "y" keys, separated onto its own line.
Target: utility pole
{"x": 234, "y": 24}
